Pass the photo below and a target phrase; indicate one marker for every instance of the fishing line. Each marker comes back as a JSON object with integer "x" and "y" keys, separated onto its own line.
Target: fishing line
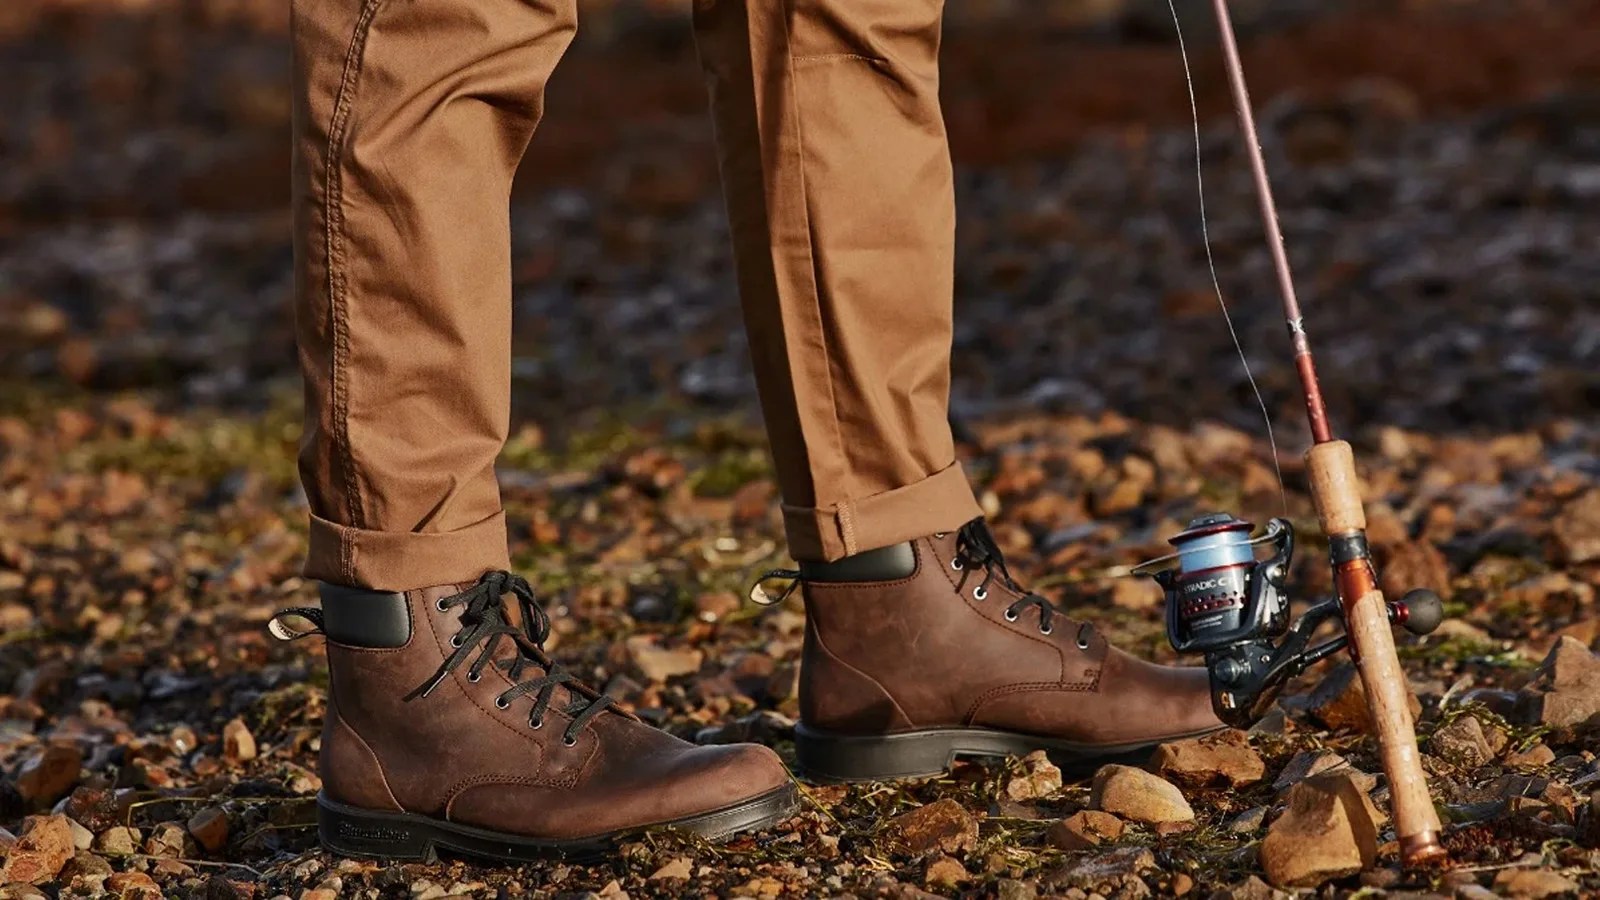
{"x": 1211, "y": 262}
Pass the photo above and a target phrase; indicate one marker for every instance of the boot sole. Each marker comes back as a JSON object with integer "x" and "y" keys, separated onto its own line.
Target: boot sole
{"x": 374, "y": 834}
{"x": 836, "y": 758}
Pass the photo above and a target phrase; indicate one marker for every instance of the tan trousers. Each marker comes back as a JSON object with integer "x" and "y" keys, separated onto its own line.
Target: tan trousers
{"x": 410, "y": 119}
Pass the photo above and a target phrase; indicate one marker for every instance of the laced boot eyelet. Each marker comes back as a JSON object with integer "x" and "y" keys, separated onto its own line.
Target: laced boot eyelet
{"x": 455, "y": 640}
{"x": 439, "y": 604}
{"x": 536, "y": 722}
{"x": 1046, "y": 629}
{"x": 568, "y": 740}
{"x": 941, "y": 534}
{"x": 502, "y": 703}
{"x": 980, "y": 593}
{"x": 955, "y": 563}
{"x": 1010, "y": 616}
{"x": 1083, "y": 644}
{"x": 474, "y": 677}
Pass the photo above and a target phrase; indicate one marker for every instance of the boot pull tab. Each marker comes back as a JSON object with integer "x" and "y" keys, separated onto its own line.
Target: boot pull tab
{"x": 758, "y": 591}
{"x": 280, "y": 629}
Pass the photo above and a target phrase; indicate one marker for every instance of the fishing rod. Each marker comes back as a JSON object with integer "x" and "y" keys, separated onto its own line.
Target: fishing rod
{"x": 1226, "y": 604}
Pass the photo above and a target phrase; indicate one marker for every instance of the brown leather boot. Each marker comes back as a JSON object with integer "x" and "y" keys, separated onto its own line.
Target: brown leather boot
{"x": 448, "y": 728}
{"x": 942, "y": 654}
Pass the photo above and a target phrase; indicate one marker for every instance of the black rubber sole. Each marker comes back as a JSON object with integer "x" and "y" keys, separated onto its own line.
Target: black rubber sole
{"x": 373, "y": 834}
{"x": 835, "y": 758}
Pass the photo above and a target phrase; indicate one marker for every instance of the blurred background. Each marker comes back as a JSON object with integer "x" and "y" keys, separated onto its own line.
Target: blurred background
{"x": 1437, "y": 164}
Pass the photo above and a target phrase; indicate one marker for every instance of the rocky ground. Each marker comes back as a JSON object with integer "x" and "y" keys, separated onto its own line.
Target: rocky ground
{"x": 1445, "y": 220}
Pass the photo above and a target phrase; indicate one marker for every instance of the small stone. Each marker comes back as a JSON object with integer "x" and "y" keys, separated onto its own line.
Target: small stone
{"x": 1084, "y": 830}
{"x": 944, "y": 872}
{"x": 209, "y": 827}
{"x": 82, "y": 838}
{"x": 1329, "y": 830}
{"x": 1339, "y": 702}
{"x": 1576, "y": 528}
{"x": 119, "y": 840}
{"x": 49, "y": 775}
{"x": 1139, "y": 796}
{"x": 943, "y": 825}
{"x": 1565, "y": 689}
{"x": 1307, "y": 763}
{"x": 680, "y": 868}
{"x": 42, "y": 848}
{"x": 1249, "y": 821}
{"x": 1180, "y": 884}
{"x": 168, "y": 839}
{"x": 1012, "y": 889}
{"x": 1461, "y": 743}
{"x": 133, "y": 886}
{"x": 98, "y": 808}
{"x": 238, "y": 744}
{"x": 1412, "y": 565}
{"x": 659, "y": 663}
{"x": 1219, "y": 760}
{"x": 714, "y": 607}
{"x": 1251, "y": 888}
{"x": 325, "y": 894}
{"x": 1036, "y": 779}
{"x": 85, "y": 865}
{"x": 1111, "y": 868}
{"x": 1531, "y": 884}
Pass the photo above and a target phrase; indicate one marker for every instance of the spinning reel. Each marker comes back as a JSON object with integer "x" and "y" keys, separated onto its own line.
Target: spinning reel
{"x": 1225, "y": 603}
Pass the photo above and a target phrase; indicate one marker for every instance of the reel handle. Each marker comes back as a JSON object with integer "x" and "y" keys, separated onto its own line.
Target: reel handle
{"x": 1420, "y": 611}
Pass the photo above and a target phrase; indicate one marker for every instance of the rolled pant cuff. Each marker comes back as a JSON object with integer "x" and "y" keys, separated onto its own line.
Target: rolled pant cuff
{"x": 941, "y": 502}
{"x": 405, "y": 560}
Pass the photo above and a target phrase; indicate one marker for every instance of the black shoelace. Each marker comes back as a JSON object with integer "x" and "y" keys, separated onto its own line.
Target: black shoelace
{"x": 484, "y": 624}
{"x": 976, "y": 549}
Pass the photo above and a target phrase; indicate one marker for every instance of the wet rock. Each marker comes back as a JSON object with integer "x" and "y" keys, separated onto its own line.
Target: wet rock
{"x": 1139, "y": 796}
{"x": 42, "y": 848}
{"x": 1084, "y": 830}
{"x": 943, "y": 825}
{"x": 209, "y": 828}
{"x": 944, "y": 873}
{"x": 1224, "y": 759}
{"x": 1339, "y": 701}
{"x": 238, "y": 744}
{"x": 1461, "y": 743}
{"x": 1329, "y": 830}
{"x": 1564, "y": 690}
{"x": 1531, "y": 884}
{"x": 1576, "y": 528}
{"x": 1037, "y": 777}
{"x": 659, "y": 663}
{"x": 50, "y": 774}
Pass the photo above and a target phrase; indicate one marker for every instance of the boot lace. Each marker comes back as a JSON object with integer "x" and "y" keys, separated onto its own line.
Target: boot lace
{"x": 484, "y": 624}
{"x": 977, "y": 550}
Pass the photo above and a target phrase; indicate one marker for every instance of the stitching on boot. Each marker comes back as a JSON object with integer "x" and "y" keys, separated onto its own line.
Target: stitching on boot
{"x": 823, "y": 646}
{"x": 334, "y": 239}
{"x": 377, "y": 764}
{"x": 1078, "y": 687}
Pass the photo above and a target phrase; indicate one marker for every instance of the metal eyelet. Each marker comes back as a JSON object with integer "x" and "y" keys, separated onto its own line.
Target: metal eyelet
{"x": 1083, "y": 644}
{"x": 940, "y": 534}
{"x": 1046, "y": 629}
{"x": 980, "y": 593}
{"x": 955, "y": 563}
{"x": 1010, "y": 616}
{"x": 568, "y": 741}
{"x": 502, "y": 703}
{"x": 455, "y": 640}
{"x": 439, "y": 605}
{"x": 536, "y": 724}
{"x": 474, "y": 677}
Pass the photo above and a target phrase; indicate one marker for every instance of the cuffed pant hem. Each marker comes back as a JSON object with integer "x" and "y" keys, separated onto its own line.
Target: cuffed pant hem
{"x": 404, "y": 560}
{"x": 941, "y": 502}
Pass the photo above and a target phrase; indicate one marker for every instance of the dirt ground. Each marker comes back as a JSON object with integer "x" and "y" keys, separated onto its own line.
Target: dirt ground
{"x": 1438, "y": 168}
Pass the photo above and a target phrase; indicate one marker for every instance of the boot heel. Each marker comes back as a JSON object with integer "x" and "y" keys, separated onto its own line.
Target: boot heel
{"x": 350, "y": 831}
{"x": 836, "y": 757}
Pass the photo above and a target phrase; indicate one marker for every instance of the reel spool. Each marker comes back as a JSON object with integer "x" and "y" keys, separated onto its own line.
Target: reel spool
{"x": 1225, "y": 603}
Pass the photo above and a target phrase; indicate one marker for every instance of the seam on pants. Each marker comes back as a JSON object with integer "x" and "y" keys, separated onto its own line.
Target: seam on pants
{"x": 816, "y": 275}
{"x": 337, "y": 285}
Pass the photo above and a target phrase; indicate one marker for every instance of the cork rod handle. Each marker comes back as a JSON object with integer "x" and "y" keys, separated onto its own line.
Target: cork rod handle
{"x": 1336, "y": 490}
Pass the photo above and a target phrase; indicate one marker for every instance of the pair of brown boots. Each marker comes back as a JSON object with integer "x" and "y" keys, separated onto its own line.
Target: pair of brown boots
{"x": 449, "y": 728}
